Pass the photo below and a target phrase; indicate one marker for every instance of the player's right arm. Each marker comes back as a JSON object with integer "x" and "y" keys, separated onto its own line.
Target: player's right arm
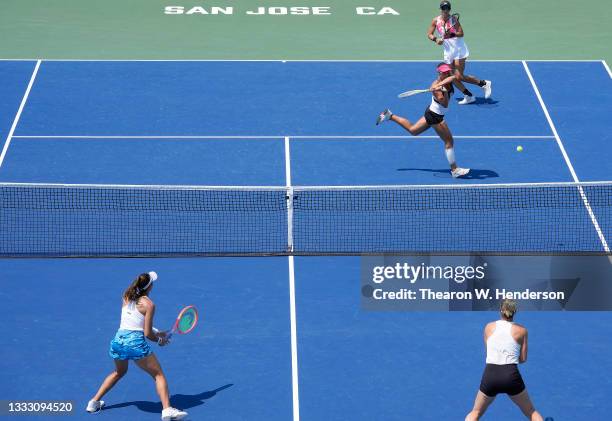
{"x": 444, "y": 83}
{"x": 440, "y": 94}
{"x": 430, "y": 32}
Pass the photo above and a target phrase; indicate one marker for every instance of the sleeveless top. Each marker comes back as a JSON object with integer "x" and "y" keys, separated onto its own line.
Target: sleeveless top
{"x": 502, "y": 349}
{"x": 438, "y": 108}
{"x": 449, "y": 43}
{"x": 131, "y": 318}
{"x": 441, "y": 25}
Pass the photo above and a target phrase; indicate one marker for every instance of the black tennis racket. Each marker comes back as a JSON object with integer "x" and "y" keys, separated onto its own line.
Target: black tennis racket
{"x": 450, "y": 26}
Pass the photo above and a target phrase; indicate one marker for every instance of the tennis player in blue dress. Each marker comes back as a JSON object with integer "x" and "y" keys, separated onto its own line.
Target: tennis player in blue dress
{"x": 130, "y": 343}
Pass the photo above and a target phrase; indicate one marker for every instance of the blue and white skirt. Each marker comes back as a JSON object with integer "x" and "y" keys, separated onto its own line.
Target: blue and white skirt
{"x": 129, "y": 345}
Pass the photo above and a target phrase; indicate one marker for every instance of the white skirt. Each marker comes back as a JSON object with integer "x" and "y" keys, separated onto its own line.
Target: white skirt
{"x": 455, "y": 49}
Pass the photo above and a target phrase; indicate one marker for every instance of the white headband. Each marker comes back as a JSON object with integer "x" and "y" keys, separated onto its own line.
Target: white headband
{"x": 152, "y": 278}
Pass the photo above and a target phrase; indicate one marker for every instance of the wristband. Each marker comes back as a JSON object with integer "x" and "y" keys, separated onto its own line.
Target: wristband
{"x": 159, "y": 338}
{"x": 156, "y": 331}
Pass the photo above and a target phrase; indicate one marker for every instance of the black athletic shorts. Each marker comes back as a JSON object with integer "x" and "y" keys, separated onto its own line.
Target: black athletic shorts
{"x": 433, "y": 118}
{"x": 501, "y": 379}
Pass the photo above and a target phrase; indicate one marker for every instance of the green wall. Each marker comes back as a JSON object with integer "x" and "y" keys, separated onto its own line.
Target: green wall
{"x": 138, "y": 29}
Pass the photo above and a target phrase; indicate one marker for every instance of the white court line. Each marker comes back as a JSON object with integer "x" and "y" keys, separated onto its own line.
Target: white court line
{"x": 292, "y": 311}
{"x": 164, "y": 137}
{"x": 211, "y": 137}
{"x": 144, "y": 186}
{"x": 7, "y": 142}
{"x": 307, "y": 187}
{"x": 607, "y": 68}
{"x": 604, "y": 243}
{"x": 298, "y": 60}
{"x": 289, "y": 195}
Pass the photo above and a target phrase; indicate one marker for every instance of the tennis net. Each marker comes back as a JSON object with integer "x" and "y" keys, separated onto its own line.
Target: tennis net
{"x": 50, "y": 220}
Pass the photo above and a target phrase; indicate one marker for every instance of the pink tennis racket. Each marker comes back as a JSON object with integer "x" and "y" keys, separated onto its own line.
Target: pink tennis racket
{"x": 185, "y": 322}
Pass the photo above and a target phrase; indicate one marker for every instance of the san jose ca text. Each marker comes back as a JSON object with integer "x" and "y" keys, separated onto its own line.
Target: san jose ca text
{"x": 275, "y": 10}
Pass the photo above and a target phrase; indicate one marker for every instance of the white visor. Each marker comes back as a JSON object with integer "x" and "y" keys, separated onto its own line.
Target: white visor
{"x": 152, "y": 278}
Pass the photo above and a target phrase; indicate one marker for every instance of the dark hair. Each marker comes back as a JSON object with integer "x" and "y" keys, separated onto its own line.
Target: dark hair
{"x": 445, "y": 5}
{"x": 136, "y": 288}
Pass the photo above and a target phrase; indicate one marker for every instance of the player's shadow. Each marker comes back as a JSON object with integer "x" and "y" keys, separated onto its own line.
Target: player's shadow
{"x": 474, "y": 174}
{"x": 481, "y": 102}
{"x": 177, "y": 400}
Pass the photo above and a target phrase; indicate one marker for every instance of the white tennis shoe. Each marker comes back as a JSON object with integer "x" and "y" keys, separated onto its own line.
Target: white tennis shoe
{"x": 487, "y": 88}
{"x": 94, "y": 406}
{"x": 467, "y": 100}
{"x": 459, "y": 172}
{"x": 384, "y": 116}
{"x": 170, "y": 414}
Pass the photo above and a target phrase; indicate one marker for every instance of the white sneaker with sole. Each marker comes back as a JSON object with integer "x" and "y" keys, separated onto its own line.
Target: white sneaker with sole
{"x": 467, "y": 100}
{"x": 170, "y": 414}
{"x": 94, "y": 406}
{"x": 384, "y": 116}
{"x": 459, "y": 172}
{"x": 487, "y": 89}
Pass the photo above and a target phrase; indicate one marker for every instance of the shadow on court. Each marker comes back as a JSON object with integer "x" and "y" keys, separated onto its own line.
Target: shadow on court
{"x": 177, "y": 400}
{"x": 474, "y": 174}
{"x": 481, "y": 102}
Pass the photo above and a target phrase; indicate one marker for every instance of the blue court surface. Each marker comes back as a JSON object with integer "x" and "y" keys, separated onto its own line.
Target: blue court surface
{"x": 228, "y": 124}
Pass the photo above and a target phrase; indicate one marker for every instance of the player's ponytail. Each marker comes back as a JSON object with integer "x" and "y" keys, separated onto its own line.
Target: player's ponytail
{"x": 508, "y": 309}
{"x": 138, "y": 287}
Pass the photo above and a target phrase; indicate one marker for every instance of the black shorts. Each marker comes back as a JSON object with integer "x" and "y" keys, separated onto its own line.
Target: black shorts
{"x": 433, "y": 118}
{"x": 501, "y": 379}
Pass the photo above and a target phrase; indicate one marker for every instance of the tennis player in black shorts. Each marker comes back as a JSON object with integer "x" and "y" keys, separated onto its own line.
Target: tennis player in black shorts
{"x": 441, "y": 89}
{"x": 506, "y": 344}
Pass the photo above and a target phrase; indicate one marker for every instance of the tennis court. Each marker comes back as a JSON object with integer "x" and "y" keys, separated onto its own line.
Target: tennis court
{"x": 284, "y": 337}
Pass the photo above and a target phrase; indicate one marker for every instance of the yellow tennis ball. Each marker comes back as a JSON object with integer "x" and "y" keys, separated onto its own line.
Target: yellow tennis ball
{"x": 519, "y": 148}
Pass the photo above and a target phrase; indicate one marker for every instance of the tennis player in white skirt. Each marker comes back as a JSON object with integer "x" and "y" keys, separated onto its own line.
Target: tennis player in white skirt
{"x": 456, "y": 51}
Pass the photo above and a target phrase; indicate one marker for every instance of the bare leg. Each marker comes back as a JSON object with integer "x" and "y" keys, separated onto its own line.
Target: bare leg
{"x": 121, "y": 367}
{"x": 460, "y": 68}
{"x": 151, "y": 366}
{"x": 458, "y": 78}
{"x": 414, "y": 129}
{"x": 524, "y": 403}
{"x": 481, "y": 403}
{"x": 446, "y": 136}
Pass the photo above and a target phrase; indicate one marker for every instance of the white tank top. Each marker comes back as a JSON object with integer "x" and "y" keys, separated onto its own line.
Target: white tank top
{"x": 436, "y": 107}
{"x": 450, "y": 44}
{"x": 131, "y": 318}
{"x": 502, "y": 349}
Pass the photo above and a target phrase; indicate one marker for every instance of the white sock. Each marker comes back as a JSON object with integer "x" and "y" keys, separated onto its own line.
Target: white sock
{"x": 450, "y": 155}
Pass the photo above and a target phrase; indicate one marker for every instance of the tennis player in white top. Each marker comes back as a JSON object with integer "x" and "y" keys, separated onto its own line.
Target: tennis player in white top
{"x": 506, "y": 344}
{"x": 441, "y": 90}
{"x": 129, "y": 343}
{"x": 455, "y": 51}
